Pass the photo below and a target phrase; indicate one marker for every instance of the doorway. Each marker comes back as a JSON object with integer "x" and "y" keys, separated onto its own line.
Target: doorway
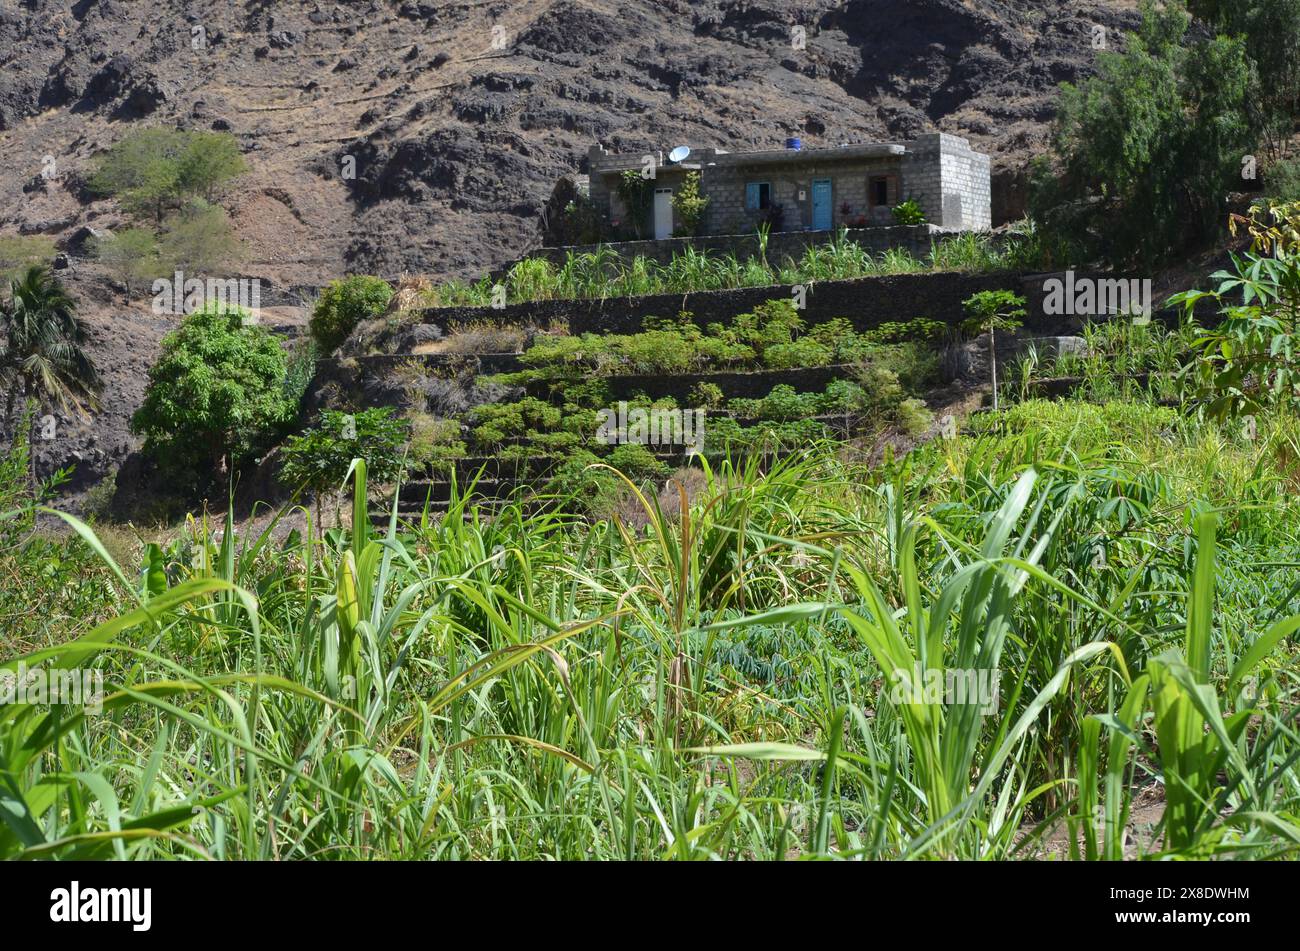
{"x": 663, "y": 213}
{"x": 821, "y": 205}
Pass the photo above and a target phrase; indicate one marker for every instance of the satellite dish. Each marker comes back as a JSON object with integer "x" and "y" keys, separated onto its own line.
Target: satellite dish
{"x": 679, "y": 154}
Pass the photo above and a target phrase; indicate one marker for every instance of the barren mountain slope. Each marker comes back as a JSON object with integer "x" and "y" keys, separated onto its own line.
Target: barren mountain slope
{"x": 458, "y": 143}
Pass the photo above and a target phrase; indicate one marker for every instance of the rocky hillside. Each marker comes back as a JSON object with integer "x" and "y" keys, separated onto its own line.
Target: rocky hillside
{"x": 459, "y": 118}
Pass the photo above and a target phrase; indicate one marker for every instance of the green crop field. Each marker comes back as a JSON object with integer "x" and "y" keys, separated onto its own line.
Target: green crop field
{"x": 743, "y": 672}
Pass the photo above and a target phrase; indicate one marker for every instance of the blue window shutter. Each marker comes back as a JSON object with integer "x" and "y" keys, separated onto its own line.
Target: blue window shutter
{"x": 751, "y": 196}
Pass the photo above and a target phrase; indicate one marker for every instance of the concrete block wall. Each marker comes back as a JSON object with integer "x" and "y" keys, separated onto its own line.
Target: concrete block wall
{"x": 950, "y": 181}
{"x": 967, "y": 181}
{"x": 725, "y": 187}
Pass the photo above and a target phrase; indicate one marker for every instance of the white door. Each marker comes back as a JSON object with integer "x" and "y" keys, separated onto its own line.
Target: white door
{"x": 663, "y": 213}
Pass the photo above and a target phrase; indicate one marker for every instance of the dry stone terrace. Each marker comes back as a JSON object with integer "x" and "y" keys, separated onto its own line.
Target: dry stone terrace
{"x": 865, "y": 302}
{"x": 388, "y": 359}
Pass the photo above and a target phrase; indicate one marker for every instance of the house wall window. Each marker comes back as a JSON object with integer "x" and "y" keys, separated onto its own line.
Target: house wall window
{"x": 878, "y": 191}
{"x": 758, "y": 196}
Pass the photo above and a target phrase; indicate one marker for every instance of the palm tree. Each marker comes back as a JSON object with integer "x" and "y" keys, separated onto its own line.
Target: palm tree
{"x": 42, "y": 344}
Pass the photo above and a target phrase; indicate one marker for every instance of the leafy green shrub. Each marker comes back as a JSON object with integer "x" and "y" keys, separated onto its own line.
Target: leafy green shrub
{"x": 881, "y": 386}
{"x": 558, "y": 442}
{"x": 706, "y": 396}
{"x": 582, "y": 420}
{"x": 689, "y": 204}
{"x": 496, "y": 423}
{"x": 914, "y": 364}
{"x": 770, "y": 324}
{"x": 844, "y": 396}
{"x": 592, "y": 393}
{"x": 320, "y": 458}
{"x": 566, "y": 352}
{"x": 130, "y": 255}
{"x": 908, "y": 213}
{"x": 830, "y": 332}
{"x": 717, "y": 353}
{"x": 637, "y": 463}
{"x": 721, "y": 433}
{"x": 656, "y": 351}
{"x": 781, "y": 404}
{"x": 217, "y": 391}
{"x": 592, "y": 491}
{"x": 1247, "y": 361}
{"x": 344, "y": 304}
{"x": 916, "y": 330}
{"x": 914, "y": 417}
{"x": 674, "y": 345}
{"x": 804, "y": 352}
{"x": 435, "y": 444}
{"x": 784, "y": 404}
{"x": 198, "y": 239}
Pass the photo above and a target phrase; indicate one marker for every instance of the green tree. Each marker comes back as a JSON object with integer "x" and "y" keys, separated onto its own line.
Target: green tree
{"x": 344, "y": 304}
{"x": 636, "y": 193}
{"x": 208, "y": 161}
{"x": 130, "y": 255}
{"x": 1270, "y": 30}
{"x": 152, "y": 171}
{"x": 215, "y": 394}
{"x": 1148, "y": 148}
{"x": 142, "y": 170}
{"x": 320, "y": 458}
{"x": 44, "y": 347}
{"x": 989, "y": 312}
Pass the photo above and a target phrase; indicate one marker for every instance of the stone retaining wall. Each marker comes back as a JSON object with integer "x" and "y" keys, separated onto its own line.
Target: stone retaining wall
{"x": 866, "y": 302}
{"x": 915, "y": 239}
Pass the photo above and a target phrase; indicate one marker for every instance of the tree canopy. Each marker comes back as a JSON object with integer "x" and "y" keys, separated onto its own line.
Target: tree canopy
{"x": 215, "y": 392}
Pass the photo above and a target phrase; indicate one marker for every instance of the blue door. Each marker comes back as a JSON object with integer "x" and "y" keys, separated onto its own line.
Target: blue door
{"x": 821, "y": 210}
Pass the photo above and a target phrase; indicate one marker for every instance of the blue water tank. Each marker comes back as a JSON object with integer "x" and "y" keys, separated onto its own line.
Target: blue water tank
{"x": 794, "y": 143}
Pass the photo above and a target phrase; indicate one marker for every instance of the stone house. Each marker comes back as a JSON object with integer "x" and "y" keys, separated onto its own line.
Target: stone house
{"x": 795, "y": 189}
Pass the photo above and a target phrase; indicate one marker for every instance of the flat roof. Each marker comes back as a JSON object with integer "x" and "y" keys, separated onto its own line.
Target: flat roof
{"x": 841, "y": 153}
{"x": 785, "y": 156}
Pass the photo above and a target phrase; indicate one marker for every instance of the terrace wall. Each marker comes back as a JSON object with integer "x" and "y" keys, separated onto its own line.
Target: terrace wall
{"x": 865, "y": 302}
{"x": 915, "y": 239}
